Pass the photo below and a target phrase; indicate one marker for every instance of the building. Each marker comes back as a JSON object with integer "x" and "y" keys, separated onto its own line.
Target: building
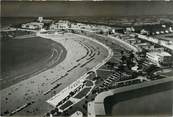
{"x": 146, "y": 46}
{"x": 63, "y": 24}
{"x": 144, "y": 32}
{"x": 160, "y": 58}
{"x": 53, "y": 27}
{"x": 33, "y": 25}
{"x": 40, "y": 19}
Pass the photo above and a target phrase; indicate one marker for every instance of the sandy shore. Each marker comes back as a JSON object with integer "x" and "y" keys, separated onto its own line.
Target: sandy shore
{"x": 33, "y": 88}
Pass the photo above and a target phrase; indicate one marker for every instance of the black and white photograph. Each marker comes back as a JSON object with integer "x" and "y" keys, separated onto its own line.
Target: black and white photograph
{"x": 86, "y": 58}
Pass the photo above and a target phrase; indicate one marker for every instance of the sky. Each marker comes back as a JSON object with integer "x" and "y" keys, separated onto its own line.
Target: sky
{"x": 106, "y": 8}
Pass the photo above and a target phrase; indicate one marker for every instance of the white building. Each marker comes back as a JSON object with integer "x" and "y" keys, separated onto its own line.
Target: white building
{"x": 53, "y": 27}
{"x": 63, "y": 24}
{"x": 40, "y": 19}
{"x": 160, "y": 58}
{"x": 143, "y": 45}
{"x": 157, "y": 32}
{"x": 170, "y": 29}
{"x": 144, "y": 32}
{"x": 33, "y": 25}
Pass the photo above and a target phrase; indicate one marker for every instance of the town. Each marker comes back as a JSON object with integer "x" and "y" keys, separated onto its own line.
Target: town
{"x": 99, "y": 59}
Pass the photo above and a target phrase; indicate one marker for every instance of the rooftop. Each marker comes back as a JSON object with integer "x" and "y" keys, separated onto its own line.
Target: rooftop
{"x": 162, "y": 53}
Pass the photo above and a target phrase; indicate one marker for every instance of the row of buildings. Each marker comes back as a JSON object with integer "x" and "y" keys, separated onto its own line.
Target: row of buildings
{"x": 155, "y": 53}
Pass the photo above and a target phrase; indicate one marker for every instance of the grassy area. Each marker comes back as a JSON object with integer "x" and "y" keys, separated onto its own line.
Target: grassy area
{"x": 82, "y": 93}
{"x": 67, "y": 104}
{"x": 89, "y": 83}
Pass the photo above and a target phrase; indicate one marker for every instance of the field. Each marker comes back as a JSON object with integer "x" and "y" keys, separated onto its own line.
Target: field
{"x": 23, "y": 57}
{"x": 82, "y": 93}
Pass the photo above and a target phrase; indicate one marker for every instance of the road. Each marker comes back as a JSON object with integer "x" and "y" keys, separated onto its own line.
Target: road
{"x": 81, "y": 52}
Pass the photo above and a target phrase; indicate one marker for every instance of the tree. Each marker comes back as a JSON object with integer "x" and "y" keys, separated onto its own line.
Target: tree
{"x": 101, "y": 32}
{"x": 123, "y": 59}
{"x": 121, "y": 67}
{"x": 151, "y": 69}
{"x": 131, "y": 55}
